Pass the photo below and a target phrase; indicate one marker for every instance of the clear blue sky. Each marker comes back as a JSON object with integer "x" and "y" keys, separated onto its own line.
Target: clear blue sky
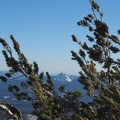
{"x": 43, "y": 29}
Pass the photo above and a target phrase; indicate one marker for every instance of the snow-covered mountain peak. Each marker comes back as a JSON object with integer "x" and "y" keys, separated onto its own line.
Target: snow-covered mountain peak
{"x": 63, "y": 77}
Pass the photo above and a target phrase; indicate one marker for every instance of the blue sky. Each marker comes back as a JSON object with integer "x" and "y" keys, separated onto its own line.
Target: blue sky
{"x": 43, "y": 29}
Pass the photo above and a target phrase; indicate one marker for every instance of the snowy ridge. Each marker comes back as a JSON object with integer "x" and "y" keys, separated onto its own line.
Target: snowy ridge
{"x": 63, "y": 77}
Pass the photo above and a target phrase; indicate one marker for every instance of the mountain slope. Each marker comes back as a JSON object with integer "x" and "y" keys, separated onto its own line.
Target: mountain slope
{"x": 63, "y": 77}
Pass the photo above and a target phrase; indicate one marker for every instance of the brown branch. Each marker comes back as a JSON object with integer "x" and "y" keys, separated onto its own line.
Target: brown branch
{"x": 11, "y": 111}
{"x": 115, "y": 40}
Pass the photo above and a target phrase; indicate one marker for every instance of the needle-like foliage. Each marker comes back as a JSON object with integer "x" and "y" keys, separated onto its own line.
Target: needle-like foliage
{"x": 101, "y": 83}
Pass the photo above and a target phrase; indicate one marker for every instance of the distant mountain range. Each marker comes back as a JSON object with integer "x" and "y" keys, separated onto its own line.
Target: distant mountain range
{"x": 70, "y": 81}
{"x": 62, "y": 77}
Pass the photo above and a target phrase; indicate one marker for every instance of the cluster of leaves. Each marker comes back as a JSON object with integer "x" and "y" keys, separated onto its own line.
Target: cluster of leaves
{"x": 101, "y": 83}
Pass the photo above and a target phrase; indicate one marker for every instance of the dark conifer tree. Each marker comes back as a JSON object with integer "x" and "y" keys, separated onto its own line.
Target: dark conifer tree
{"x": 101, "y": 83}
